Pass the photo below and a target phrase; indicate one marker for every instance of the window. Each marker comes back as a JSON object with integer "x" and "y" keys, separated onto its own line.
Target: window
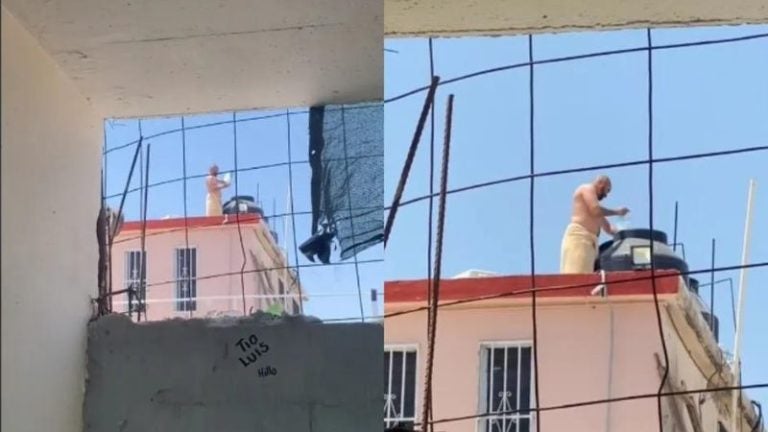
{"x": 186, "y": 279}
{"x": 400, "y": 387}
{"x": 135, "y": 264}
{"x": 505, "y": 387}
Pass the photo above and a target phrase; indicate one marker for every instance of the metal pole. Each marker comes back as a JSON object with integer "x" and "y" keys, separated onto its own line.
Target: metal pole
{"x": 712, "y": 291}
{"x": 142, "y": 293}
{"x": 127, "y": 184}
{"x": 434, "y": 291}
{"x": 428, "y": 104}
{"x": 674, "y": 238}
{"x": 739, "y": 309}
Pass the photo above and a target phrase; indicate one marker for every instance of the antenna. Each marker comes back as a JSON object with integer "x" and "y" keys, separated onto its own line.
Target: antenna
{"x": 674, "y": 235}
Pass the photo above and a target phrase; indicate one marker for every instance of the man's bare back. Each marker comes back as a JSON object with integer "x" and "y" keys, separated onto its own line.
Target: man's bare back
{"x": 587, "y": 211}
{"x": 213, "y": 185}
{"x": 212, "y": 182}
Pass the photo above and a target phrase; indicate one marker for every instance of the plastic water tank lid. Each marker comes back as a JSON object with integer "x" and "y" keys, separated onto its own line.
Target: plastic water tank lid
{"x": 646, "y": 234}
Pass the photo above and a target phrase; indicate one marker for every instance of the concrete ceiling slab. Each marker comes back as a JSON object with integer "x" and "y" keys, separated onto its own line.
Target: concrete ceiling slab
{"x": 156, "y": 57}
{"x": 488, "y": 17}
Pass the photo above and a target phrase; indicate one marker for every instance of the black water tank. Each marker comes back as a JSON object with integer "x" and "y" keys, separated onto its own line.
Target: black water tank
{"x": 617, "y": 254}
{"x": 242, "y": 204}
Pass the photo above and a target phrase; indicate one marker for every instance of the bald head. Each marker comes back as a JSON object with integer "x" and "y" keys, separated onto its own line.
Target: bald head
{"x": 602, "y": 186}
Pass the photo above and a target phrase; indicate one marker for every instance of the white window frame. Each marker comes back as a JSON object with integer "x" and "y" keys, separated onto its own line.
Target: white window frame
{"x": 129, "y": 280}
{"x": 176, "y": 288}
{"x": 512, "y": 426}
{"x": 404, "y": 348}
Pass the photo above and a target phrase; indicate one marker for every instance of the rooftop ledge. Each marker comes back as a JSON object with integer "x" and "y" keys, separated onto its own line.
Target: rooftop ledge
{"x": 192, "y": 222}
{"x": 548, "y": 286}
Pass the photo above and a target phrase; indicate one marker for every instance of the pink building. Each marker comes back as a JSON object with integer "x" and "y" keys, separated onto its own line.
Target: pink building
{"x": 193, "y": 268}
{"x": 590, "y": 346}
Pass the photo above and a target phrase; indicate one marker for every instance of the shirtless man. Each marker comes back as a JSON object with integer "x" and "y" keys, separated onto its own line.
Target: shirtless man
{"x": 579, "y": 247}
{"x": 213, "y": 198}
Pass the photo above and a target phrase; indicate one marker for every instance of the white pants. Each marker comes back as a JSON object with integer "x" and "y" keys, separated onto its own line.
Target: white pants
{"x": 213, "y": 205}
{"x": 578, "y": 250}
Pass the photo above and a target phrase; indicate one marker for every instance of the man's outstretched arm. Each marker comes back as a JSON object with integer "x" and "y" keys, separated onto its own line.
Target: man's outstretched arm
{"x": 621, "y": 211}
{"x": 590, "y": 197}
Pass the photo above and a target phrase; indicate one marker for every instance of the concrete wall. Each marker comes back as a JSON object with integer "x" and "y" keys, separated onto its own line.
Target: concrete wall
{"x": 144, "y": 57}
{"x": 574, "y": 354}
{"x": 472, "y": 17}
{"x": 51, "y": 141}
{"x": 685, "y": 374}
{"x": 187, "y": 375}
{"x": 218, "y": 253}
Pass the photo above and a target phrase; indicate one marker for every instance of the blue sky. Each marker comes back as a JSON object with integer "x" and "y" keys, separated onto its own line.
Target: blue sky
{"x": 589, "y": 112}
{"x": 332, "y": 289}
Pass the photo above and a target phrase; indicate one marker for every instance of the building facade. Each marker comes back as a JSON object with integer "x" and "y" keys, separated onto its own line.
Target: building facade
{"x": 594, "y": 341}
{"x": 204, "y": 267}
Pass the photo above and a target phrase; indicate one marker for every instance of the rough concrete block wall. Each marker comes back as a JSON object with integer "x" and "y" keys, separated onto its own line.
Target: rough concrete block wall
{"x": 256, "y": 374}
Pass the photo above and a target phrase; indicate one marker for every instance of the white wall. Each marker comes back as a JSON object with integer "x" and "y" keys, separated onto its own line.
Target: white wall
{"x": 50, "y": 196}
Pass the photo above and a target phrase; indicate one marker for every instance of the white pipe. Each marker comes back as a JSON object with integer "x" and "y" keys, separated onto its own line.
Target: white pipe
{"x": 602, "y": 291}
{"x": 736, "y": 424}
{"x": 610, "y": 351}
{"x": 374, "y": 302}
